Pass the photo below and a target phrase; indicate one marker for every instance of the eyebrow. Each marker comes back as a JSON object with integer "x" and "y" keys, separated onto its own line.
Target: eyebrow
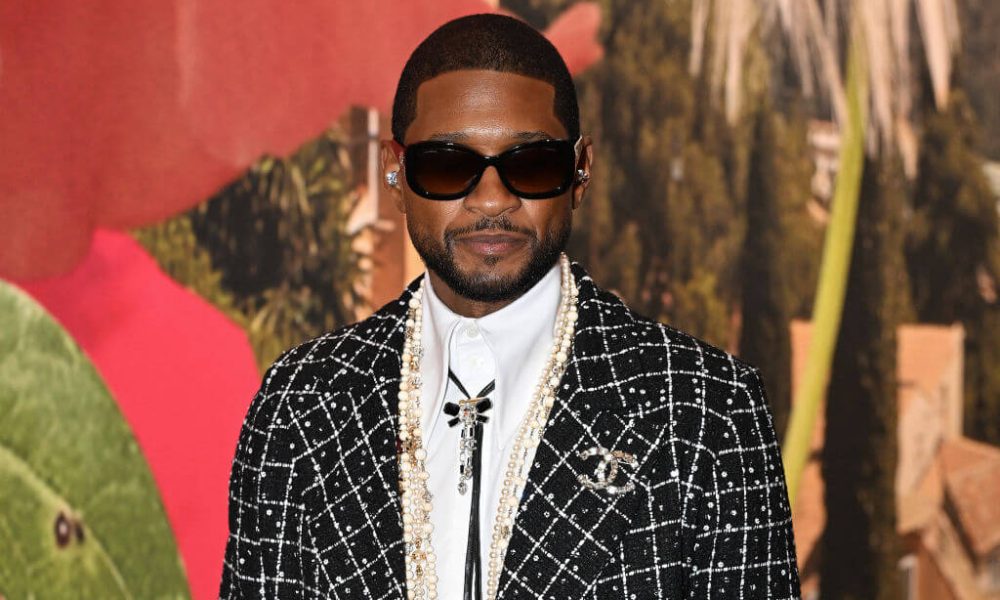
{"x": 519, "y": 136}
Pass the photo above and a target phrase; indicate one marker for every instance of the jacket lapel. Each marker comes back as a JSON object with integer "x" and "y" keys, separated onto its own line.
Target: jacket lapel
{"x": 565, "y": 533}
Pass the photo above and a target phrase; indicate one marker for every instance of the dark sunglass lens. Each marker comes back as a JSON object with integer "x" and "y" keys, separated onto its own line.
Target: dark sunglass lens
{"x": 441, "y": 171}
{"x": 540, "y": 170}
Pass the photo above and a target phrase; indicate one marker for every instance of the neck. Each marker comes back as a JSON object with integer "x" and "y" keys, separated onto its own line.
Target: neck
{"x": 460, "y": 305}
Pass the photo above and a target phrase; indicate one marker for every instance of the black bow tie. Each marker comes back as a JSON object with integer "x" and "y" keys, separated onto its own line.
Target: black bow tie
{"x": 469, "y": 413}
{"x": 480, "y": 406}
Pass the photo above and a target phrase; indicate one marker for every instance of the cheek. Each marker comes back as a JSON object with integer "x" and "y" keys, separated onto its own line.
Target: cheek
{"x": 550, "y": 218}
{"x": 430, "y": 217}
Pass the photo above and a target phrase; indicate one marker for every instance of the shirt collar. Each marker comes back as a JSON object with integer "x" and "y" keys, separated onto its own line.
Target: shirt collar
{"x": 519, "y": 334}
{"x": 531, "y": 313}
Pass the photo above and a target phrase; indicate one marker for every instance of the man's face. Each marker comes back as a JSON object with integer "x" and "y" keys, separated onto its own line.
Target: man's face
{"x": 489, "y": 246}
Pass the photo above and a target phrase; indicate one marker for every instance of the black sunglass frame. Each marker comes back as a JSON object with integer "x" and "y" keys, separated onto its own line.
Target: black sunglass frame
{"x": 572, "y": 149}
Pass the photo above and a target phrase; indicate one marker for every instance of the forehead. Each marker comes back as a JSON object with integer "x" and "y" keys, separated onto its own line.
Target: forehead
{"x": 484, "y": 107}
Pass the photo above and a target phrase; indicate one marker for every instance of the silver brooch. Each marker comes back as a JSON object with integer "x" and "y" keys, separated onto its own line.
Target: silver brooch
{"x": 607, "y": 470}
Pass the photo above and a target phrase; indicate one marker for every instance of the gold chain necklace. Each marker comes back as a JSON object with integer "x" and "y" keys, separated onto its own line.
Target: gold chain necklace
{"x": 421, "y": 571}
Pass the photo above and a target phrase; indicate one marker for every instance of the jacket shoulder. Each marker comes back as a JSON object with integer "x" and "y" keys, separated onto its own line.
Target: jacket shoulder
{"x": 662, "y": 339}
{"x": 705, "y": 396}
{"x": 351, "y": 349}
{"x": 709, "y": 389}
{"x": 678, "y": 366}
{"x": 662, "y": 342}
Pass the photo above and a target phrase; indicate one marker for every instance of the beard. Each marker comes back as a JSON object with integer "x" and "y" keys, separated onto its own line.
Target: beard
{"x": 486, "y": 287}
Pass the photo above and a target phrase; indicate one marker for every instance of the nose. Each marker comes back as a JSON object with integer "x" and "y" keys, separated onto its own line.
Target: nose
{"x": 491, "y": 197}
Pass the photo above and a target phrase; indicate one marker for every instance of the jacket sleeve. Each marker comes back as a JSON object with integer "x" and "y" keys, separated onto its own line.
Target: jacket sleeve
{"x": 263, "y": 555}
{"x": 744, "y": 546}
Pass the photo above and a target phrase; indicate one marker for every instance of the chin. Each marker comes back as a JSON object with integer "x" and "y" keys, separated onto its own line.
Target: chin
{"x": 491, "y": 277}
{"x": 506, "y": 279}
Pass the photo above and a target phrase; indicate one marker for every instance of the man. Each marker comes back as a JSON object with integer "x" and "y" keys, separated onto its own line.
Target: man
{"x": 505, "y": 428}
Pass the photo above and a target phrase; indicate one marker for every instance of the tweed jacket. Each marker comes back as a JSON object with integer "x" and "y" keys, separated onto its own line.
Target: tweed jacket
{"x": 315, "y": 507}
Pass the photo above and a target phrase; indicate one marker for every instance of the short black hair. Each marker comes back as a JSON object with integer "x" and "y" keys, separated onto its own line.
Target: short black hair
{"x": 487, "y": 42}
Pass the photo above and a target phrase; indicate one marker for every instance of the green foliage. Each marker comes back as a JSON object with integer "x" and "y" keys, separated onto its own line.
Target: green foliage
{"x": 663, "y": 223}
{"x": 952, "y": 245}
{"x": 801, "y": 234}
{"x": 80, "y": 514}
{"x": 174, "y": 246}
{"x": 779, "y": 267}
{"x": 859, "y": 545}
{"x": 660, "y": 226}
{"x": 765, "y": 339}
{"x": 274, "y": 249}
{"x": 979, "y": 68}
{"x": 696, "y": 303}
{"x": 982, "y": 375}
{"x": 538, "y": 13}
{"x": 954, "y": 224}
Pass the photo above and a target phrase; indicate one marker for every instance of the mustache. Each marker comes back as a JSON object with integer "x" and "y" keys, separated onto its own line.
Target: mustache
{"x": 501, "y": 223}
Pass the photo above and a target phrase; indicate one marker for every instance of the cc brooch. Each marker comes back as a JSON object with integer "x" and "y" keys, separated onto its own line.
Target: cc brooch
{"x": 608, "y": 470}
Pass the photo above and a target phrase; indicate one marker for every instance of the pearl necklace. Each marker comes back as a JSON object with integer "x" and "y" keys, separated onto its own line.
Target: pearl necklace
{"x": 421, "y": 572}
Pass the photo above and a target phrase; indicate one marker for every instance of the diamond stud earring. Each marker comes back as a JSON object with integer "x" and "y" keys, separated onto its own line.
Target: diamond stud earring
{"x": 582, "y": 176}
{"x": 392, "y": 178}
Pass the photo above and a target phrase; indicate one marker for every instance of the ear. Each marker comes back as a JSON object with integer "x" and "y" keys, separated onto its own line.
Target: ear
{"x": 389, "y": 162}
{"x": 585, "y": 164}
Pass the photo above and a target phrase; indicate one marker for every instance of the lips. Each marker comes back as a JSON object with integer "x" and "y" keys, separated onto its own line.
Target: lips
{"x": 492, "y": 244}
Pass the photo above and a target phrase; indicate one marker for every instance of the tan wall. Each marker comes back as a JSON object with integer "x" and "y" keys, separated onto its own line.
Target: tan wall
{"x": 931, "y": 584}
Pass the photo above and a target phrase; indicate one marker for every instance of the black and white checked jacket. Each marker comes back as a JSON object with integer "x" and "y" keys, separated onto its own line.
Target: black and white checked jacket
{"x": 314, "y": 504}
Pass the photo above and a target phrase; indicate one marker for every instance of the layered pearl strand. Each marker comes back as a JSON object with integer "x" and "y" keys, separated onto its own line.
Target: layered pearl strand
{"x": 421, "y": 571}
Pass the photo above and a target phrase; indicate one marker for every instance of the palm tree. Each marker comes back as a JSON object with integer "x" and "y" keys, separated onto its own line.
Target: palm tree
{"x": 816, "y": 37}
{"x": 874, "y": 108}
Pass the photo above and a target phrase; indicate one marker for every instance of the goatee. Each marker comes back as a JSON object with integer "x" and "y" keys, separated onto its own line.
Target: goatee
{"x": 487, "y": 287}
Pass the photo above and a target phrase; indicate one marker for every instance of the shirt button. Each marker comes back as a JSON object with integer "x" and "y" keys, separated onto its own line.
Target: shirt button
{"x": 472, "y": 331}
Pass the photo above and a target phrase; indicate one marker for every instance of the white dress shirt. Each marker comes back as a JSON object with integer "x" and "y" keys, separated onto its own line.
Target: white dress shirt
{"x": 511, "y": 346}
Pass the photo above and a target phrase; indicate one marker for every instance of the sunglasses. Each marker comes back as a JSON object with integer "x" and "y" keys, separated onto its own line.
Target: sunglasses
{"x": 448, "y": 171}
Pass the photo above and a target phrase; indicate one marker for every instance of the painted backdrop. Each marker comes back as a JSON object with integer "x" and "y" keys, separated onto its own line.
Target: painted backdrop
{"x": 189, "y": 188}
